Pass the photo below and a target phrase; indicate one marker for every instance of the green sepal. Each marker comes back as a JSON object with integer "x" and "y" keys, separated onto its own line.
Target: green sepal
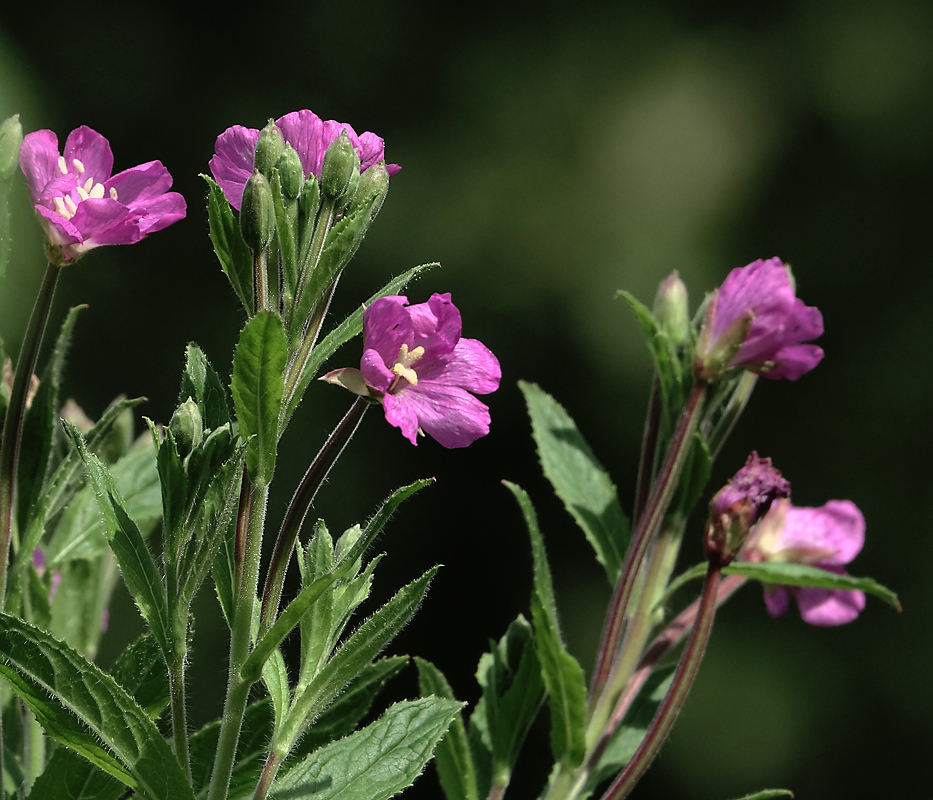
{"x": 579, "y": 480}
{"x": 563, "y": 676}
{"x": 285, "y": 235}
{"x": 377, "y": 762}
{"x": 141, "y": 671}
{"x": 33, "y": 659}
{"x": 201, "y": 382}
{"x": 257, "y": 387}
{"x": 232, "y": 252}
{"x": 452, "y": 757}
{"x": 67, "y": 776}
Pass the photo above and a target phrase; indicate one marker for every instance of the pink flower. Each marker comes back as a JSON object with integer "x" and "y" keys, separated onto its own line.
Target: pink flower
{"x": 307, "y": 133}
{"x": 422, "y": 371}
{"x": 827, "y": 537}
{"x": 81, "y": 206}
{"x": 754, "y": 321}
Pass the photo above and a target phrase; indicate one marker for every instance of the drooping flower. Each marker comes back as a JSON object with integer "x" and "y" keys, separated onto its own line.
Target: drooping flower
{"x": 827, "y": 537}
{"x": 416, "y": 364}
{"x": 308, "y": 134}
{"x": 740, "y": 504}
{"x": 81, "y": 205}
{"x": 755, "y": 321}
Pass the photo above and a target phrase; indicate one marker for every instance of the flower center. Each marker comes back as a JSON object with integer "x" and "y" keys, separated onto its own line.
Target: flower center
{"x": 405, "y": 360}
{"x": 65, "y": 205}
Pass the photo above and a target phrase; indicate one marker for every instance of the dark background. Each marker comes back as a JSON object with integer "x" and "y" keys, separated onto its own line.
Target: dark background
{"x": 551, "y": 157}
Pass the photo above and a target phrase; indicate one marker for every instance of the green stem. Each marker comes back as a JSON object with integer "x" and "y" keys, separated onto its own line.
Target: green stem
{"x": 649, "y": 446}
{"x": 269, "y": 772}
{"x": 251, "y": 516}
{"x": 260, "y": 281}
{"x": 674, "y": 699}
{"x": 176, "y": 677}
{"x": 299, "y": 506}
{"x": 734, "y": 407}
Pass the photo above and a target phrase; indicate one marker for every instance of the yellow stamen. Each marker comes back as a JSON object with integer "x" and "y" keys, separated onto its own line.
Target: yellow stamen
{"x": 72, "y": 207}
{"x": 82, "y": 193}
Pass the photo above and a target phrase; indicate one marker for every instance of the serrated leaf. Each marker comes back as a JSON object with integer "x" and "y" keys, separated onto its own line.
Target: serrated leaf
{"x": 67, "y": 776}
{"x": 258, "y": 386}
{"x": 452, "y": 758}
{"x": 346, "y": 330}
{"x": 231, "y": 250}
{"x": 200, "y": 382}
{"x": 563, "y": 676}
{"x": 33, "y": 656}
{"x": 376, "y": 762}
{"x": 578, "y": 479}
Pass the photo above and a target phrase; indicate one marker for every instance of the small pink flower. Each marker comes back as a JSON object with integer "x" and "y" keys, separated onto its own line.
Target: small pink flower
{"x": 422, "y": 371}
{"x": 306, "y": 132}
{"x": 81, "y": 205}
{"x": 826, "y": 537}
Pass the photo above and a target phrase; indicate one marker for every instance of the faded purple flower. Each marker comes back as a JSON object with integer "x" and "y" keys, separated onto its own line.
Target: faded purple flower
{"x": 826, "y": 537}
{"x": 755, "y": 321}
{"x": 307, "y": 133}
{"x": 422, "y": 371}
{"x": 738, "y": 506}
{"x": 81, "y": 205}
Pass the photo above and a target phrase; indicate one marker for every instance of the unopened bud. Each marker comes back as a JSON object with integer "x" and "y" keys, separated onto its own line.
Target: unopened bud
{"x": 372, "y": 188}
{"x": 340, "y": 161}
{"x": 291, "y": 173}
{"x": 268, "y": 149}
{"x": 11, "y": 139}
{"x": 670, "y": 308}
{"x": 257, "y": 213}
{"x": 186, "y": 426}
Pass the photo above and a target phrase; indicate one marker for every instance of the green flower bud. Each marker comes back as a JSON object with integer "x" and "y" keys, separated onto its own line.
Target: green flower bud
{"x": 187, "y": 427}
{"x": 310, "y": 198}
{"x": 11, "y": 139}
{"x": 291, "y": 173}
{"x": 257, "y": 213}
{"x": 372, "y": 188}
{"x": 268, "y": 149}
{"x": 340, "y": 161}
{"x": 670, "y": 309}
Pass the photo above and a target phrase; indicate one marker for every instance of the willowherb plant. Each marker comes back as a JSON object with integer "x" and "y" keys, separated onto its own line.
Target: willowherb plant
{"x": 288, "y": 207}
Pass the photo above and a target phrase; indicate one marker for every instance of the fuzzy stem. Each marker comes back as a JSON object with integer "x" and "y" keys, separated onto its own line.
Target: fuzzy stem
{"x": 176, "y": 677}
{"x": 260, "y": 281}
{"x": 649, "y": 445}
{"x": 731, "y": 413}
{"x": 674, "y": 699}
{"x": 298, "y": 508}
{"x": 269, "y": 772}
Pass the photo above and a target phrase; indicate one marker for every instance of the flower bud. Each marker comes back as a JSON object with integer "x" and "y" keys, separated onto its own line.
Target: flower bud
{"x": 372, "y": 188}
{"x": 11, "y": 139}
{"x": 291, "y": 173}
{"x": 186, "y": 426}
{"x": 268, "y": 149}
{"x": 670, "y": 308}
{"x": 257, "y": 213}
{"x": 340, "y": 161}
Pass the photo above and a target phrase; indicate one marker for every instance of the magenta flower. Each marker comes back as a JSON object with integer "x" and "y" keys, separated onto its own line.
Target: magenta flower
{"x": 422, "y": 371}
{"x": 754, "y": 321}
{"x": 306, "y": 132}
{"x": 81, "y": 206}
{"x": 827, "y": 537}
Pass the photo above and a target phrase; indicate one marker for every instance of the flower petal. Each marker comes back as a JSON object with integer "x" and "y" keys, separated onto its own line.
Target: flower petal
{"x": 449, "y": 414}
{"x": 436, "y": 324}
{"x": 162, "y": 212}
{"x": 106, "y": 221}
{"x": 386, "y": 327}
{"x": 137, "y": 185}
{"x": 372, "y": 150}
{"x": 794, "y": 362}
{"x": 838, "y": 526}
{"x": 304, "y": 130}
{"x": 232, "y": 163}
{"x": 92, "y": 150}
{"x": 38, "y": 159}
{"x": 471, "y": 366}
{"x": 826, "y": 607}
{"x": 777, "y": 600}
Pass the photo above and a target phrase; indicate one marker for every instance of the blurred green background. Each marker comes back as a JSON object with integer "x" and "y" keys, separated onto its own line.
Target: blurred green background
{"x": 550, "y": 157}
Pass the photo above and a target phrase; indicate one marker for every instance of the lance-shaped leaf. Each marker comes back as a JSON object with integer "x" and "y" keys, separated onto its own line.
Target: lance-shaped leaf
{"x": 578, "y": 479}
{"x": 231, "y": 250}
{"x": 375, "y": 763}
{"x": 258, "y": 387}
{"x": 562, "y": 675}
{"x": 200, "y": 382}
{"x": 98, "y": 701}
{"x": 139, "y": 570}
{"x": 67, "y": 776}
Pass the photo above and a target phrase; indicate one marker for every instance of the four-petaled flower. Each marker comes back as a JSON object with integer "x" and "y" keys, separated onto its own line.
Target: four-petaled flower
{"x": 81, "y": 206}
{"x": 826, "y": 537}
{"x": 755, "y": 321}
{"x": 306, "y": 132}
{"x": 422, "y": 371}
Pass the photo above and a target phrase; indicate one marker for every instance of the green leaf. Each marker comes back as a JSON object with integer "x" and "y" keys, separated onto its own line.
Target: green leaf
{"x": 766, "y": 793}
{"x": 67, "y": 776}
{"x": 258, "y": 387}
{"x": 141, "y": 671}
{"x": 83, "y": 593}
{"x": 139, "y": 570}
{"x": 453, "y": 760}
{"x": 578, "y": 479}
{"x": 376, "y": 762}
{"x": 562, "y": 675}
{"x": 200, "y": 382}
{"x": 694, "y": 477}
{"x": 275, "y": 676}
{"x": 231, "y": 250}
{"x": 32, "y": 658}
{"x": 352, "y": 658}
{"x": 346, "y": 330}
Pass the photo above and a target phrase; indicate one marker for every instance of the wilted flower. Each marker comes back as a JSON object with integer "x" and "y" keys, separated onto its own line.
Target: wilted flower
{"x": 421, "y": 370}
{"x": 826, "y": 537}
{"x": 81, "y": 206}
{"x": 755, "y": 321}
{"x": 308, "y": 134}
